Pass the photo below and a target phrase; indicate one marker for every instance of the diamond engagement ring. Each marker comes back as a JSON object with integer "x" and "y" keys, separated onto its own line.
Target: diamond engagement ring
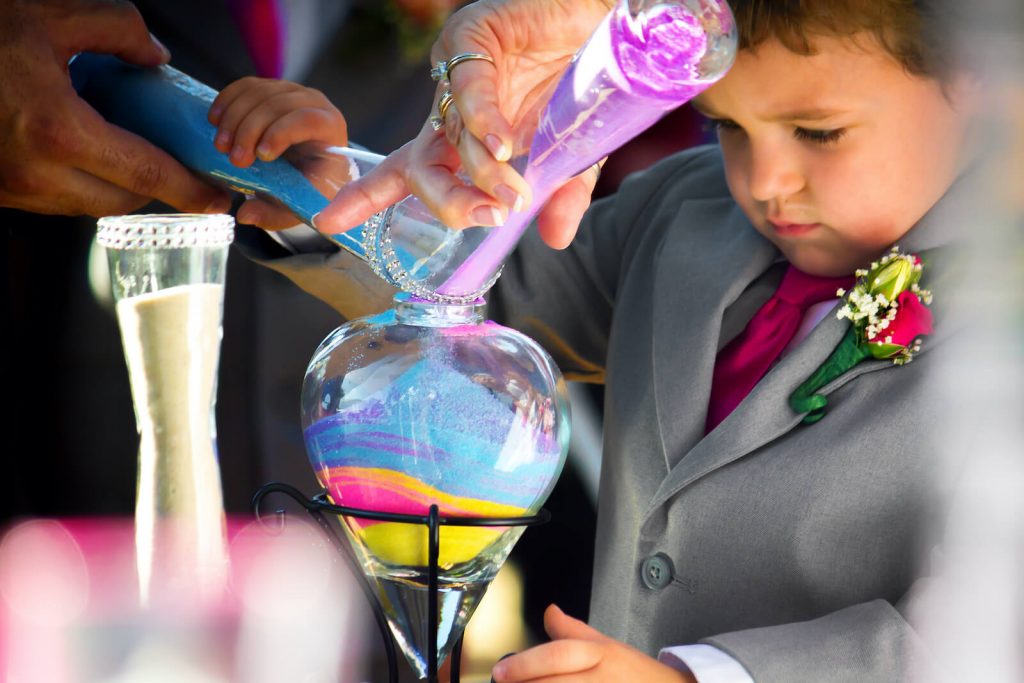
{"x": 443, "y": 69}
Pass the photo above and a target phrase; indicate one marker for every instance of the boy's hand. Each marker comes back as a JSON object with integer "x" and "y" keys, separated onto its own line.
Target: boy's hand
{"x": 578, "y": 652}
{"x": 260, "y": 118}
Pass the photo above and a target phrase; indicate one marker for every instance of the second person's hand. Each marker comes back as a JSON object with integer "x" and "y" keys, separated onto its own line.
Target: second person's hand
{"x": 57, "y": 155}
{"x": 531, "y": 42}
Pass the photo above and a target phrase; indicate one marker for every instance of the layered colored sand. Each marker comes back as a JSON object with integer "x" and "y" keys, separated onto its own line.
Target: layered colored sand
{"x": 407, "y": 544}
{"x": 428, "y": 434}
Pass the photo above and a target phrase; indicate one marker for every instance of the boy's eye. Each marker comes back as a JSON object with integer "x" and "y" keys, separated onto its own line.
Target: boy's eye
{"x": 720, "y": 125}
{"x": 821, "y": 137}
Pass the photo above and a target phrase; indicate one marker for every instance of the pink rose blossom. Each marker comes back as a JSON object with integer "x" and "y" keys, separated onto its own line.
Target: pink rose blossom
{"x": 913, "y": 320}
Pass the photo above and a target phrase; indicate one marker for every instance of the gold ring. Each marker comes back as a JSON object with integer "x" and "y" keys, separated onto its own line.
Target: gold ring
{"x": 443, "y": 104}
{"x": 443, "y": 69}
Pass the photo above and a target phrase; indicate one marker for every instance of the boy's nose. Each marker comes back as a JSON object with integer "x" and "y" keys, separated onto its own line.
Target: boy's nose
{"x": 774, "y": 175}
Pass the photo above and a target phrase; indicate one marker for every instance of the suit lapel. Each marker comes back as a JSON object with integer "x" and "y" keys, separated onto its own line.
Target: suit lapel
{"x": 763, "y": 416}
{"x": 721, "y": 261}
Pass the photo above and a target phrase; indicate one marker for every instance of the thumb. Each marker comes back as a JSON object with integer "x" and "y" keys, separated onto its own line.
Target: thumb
{"x": 560, "y": 218}
{"x": 561, "y": 626}
{"x": 114, "y": 28}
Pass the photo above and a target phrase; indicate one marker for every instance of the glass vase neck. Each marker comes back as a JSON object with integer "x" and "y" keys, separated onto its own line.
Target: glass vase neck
{"x": 411, "y": 310}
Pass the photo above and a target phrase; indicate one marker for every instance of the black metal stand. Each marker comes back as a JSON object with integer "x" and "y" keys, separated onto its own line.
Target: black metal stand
{"x": 318, "y": 505}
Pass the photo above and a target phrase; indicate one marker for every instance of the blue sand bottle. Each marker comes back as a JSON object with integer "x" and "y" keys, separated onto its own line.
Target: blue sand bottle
{"x": 169, "y": 108}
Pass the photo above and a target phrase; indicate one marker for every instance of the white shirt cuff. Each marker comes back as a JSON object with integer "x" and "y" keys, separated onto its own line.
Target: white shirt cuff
{"x": 707, "y": 664}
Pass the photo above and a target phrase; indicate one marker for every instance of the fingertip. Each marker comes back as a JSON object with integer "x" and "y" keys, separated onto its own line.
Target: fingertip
{"x": 165, "y": 54}
{"x": 248, "y": 215}
{"x": 510, "y": 198}
{"x": 240, "y": 157}
{"x": 559, "y": 221}
{"x": 555, "y": 232}
{"x": 497, "y": 147}
{"x": 331, "y": 222}
{"x": 486, "y": 216}
{"x": 553, "y": 615}
{"x": 221, "y": 204}
{"x": 560, "y": 241}
{"x": 222, "y": 141}
{"x": 265, "y": 152}
{"x": 328, "y": 221}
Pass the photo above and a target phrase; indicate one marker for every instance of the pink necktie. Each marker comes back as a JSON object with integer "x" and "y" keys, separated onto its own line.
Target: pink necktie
{"x": 261, "y": 24}
{"x": 748, "y": 357}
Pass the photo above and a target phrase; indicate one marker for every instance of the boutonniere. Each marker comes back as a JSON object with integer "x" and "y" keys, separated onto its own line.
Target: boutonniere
{"x": 888, "y": 313}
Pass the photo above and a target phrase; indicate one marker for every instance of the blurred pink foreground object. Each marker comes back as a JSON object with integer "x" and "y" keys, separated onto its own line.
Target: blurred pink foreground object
{"x": 69, "y": 610}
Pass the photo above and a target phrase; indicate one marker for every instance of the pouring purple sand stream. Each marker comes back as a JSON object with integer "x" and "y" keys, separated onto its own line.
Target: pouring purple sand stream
{"x": 631, "y": 72}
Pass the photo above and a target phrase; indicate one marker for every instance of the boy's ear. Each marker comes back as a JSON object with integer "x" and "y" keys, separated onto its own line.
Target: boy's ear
{"x": 964, "y": 90}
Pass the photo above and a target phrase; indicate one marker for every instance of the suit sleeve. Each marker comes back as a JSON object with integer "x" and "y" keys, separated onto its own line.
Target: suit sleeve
{"x": 867, "y": 642}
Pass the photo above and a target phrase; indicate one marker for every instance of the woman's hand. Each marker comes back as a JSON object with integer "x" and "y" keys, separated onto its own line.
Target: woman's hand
{"x": 531, "y": 42}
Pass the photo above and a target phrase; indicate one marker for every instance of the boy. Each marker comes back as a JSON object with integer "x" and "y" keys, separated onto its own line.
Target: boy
{"x": 844, "y": 128}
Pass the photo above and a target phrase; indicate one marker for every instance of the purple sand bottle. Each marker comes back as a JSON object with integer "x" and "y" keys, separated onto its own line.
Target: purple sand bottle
{"x": 645, "y": 59}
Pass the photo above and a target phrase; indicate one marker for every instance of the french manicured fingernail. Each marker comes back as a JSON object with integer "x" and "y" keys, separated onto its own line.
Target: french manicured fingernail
{"x": 486, "y": 216}
{"x": 497, "y": 148}
{"x": 160, "y": 46}
{"x": 263, "y": 151}
{"x": 509, "y": 197}
{"x": 322, "y": 223}
{"x": 223, "y": 140}
{"x": 237, "y": 154}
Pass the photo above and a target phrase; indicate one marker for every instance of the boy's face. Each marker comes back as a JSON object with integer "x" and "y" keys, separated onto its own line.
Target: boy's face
{"x": 835, "y": 156}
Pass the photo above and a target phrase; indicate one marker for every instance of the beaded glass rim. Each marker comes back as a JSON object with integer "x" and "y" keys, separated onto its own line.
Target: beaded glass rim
{"x": 165, "y": 231}
{"x": 381, "y": 255}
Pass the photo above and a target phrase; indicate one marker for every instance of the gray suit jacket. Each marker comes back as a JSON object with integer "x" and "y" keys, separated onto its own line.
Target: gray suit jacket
{"x": 789, "y": 546}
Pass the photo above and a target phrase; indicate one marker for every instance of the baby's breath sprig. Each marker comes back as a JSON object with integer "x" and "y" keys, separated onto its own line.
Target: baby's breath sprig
{"x": 873, "y": 305}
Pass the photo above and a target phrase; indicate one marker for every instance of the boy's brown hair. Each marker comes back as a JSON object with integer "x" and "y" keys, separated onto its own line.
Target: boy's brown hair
{"x": 919, "y": 34}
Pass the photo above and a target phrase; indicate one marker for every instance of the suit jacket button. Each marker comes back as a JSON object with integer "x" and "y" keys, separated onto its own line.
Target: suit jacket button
{"x": 656, "y": 571}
